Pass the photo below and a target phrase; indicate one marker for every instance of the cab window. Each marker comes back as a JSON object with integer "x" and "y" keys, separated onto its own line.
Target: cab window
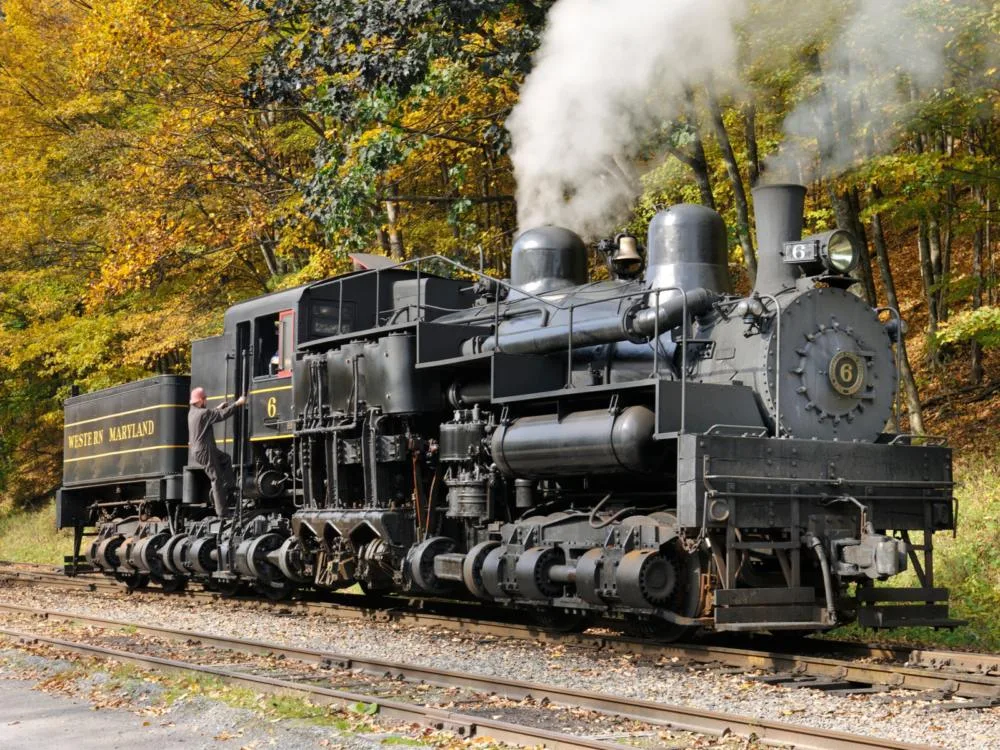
{"x": 265, "y": 345}
{"x": 286, "y": 342}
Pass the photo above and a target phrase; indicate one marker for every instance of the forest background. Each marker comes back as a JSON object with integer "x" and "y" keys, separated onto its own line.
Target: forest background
{"x": 162, "y": 160}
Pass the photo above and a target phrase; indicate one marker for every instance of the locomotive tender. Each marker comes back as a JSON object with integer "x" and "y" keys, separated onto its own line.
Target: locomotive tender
{"x": 650, "y": 448}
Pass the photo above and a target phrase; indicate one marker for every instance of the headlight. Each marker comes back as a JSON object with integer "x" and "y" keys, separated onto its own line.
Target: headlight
{"x": 841, "y": 251}
{"x": 836, "y": 252}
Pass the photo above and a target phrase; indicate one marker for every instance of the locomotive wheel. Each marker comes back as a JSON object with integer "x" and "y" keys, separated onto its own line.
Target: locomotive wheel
{"x": 227, "y": 588}
{"x": 133, "y": 581}
{"x": 172, "y": 585}
{"x": 637, "y": 626}
{"x": 472, "y": 569}
{"x": 276, "y": 592}
{"x": 290, "y": 560}
{"x": 147, "y": 554}
{"x": 106, "y": 552}
{"x": 421, "y": 564}
{"x": 257, "y": 561}
{"x": 167, "y": 554}
{"x": 646, "y": 579}
{"x": 374, "y": 596}
{"x": 670, "y": 632}
{"x": 560, "y": 621}
{"x": 532, "y": 573}
{"x": 492, "y": 573}
{"x": 588, "y": 568}
{"x": 199, "y": 554}
{"x": 373, "y": 591}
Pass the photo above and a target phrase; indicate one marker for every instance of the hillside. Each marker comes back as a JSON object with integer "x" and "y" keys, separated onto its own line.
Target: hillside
{"x": 967, "y": 414}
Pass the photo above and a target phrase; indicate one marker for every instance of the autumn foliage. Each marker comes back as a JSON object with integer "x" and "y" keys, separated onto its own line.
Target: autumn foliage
{"x": 161, "y": 160}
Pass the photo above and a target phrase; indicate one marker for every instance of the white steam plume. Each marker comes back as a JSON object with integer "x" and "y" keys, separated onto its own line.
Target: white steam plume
{"x": 885, "y": 52}
{"x": 610, "y": 73}
{"x": 606, "y": 75}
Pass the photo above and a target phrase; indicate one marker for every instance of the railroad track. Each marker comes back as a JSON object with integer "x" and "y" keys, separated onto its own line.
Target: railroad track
{"x": 133, "y": 645}
{"x": 955, "y": 680}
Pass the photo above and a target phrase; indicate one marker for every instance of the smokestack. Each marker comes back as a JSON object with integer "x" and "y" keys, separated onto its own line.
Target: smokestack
{"x": 778, "y": 210}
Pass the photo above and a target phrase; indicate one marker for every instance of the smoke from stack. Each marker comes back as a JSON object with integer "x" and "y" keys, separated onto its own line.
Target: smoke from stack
{"x": 609, "y": 75}
{"x": 606, "y": 76}
{"x": 885, "y": 53}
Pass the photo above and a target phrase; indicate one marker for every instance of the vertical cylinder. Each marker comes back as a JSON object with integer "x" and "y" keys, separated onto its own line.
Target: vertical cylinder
{"x": 546, "y": 259}
{"x": 778, "y": 210}
{"x": 524, "y": 493}
{"x": 686, "y": 247}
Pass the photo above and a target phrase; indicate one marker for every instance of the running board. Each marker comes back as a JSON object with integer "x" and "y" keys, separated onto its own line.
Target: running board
{"x": 769, "y": 609}
{"x": 904, "y": 608}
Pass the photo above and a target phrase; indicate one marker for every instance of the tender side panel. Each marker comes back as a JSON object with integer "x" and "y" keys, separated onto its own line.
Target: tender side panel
{"x": 127, "y": 432}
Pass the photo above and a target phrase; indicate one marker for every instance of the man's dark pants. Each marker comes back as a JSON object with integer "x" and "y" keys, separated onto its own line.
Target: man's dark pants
{"x": 220, "y": 471}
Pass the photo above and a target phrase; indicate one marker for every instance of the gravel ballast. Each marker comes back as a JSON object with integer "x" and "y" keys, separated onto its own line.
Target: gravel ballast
{"x": 666, "y": 682}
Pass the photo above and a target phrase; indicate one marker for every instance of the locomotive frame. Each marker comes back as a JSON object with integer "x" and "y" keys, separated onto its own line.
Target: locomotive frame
{"x": 655, "y": 451}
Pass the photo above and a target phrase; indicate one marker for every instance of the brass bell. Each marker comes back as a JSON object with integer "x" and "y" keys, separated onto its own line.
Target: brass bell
{"x": 627, "y": 261}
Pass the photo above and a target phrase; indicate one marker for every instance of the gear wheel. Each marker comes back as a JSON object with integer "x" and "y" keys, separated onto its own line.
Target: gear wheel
{"x": 646, "y": 578}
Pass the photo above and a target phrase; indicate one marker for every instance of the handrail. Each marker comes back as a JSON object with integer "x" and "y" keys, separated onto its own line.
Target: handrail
{"x": 656, "y": 337}
{"x": 571, "y": 308}
{"x": 777, "y": 362}
{"x": 425, "y": 259}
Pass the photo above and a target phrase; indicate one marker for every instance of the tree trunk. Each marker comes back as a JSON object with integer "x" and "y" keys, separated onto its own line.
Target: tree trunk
{"x": 978, "y": 243}
{"x": 698, "y": 163}
{"x": 847, "y": 208}
{"x": 909, "y": 383}
{"x": 395, "y": 234}
{"x": 383, "y": 241}
{"x": 927, "y": 274}
{"x": 753, "y": 152}
{"x": 989, "y": 254}
{"x": 947, "y": 241}
{"x": 700, "y": 167}
{"x": 270, "y": 260}
{"x": 739, "y": 193}
{"x": 865, "y": 261}
{"x": 937, "y": 266}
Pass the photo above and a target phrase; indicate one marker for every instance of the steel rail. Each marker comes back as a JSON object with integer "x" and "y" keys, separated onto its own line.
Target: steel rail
{"x": 396, "y": 610}
{"x": 956, "y": 660}
{"x": 461, "y": 724}
{"x": 965, "y": 684}
{"x": 677, "y": 717}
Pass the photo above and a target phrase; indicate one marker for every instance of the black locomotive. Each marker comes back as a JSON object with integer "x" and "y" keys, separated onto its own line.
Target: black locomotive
{"x": 650, "y": 448}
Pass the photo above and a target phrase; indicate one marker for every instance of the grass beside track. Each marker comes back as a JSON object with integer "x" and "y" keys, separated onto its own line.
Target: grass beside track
{"x": 30, "y": 536}
{"x": 968, "y": 564}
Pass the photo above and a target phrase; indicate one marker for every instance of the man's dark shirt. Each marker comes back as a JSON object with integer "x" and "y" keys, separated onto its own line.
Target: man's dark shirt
{"x": 201, "y": 436}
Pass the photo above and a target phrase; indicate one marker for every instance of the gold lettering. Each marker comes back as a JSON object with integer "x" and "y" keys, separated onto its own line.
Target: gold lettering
{"x": 131, "y": 430}
{"x": 85, "y": 439}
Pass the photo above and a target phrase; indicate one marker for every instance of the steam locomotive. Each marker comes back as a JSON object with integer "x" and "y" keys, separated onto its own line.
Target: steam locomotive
{"x": 651, "y": 448}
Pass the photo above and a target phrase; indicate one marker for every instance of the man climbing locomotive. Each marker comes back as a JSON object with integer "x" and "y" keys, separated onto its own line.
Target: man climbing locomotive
{"x": 217, "y": 464}
{"x": 651, "y": 448}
